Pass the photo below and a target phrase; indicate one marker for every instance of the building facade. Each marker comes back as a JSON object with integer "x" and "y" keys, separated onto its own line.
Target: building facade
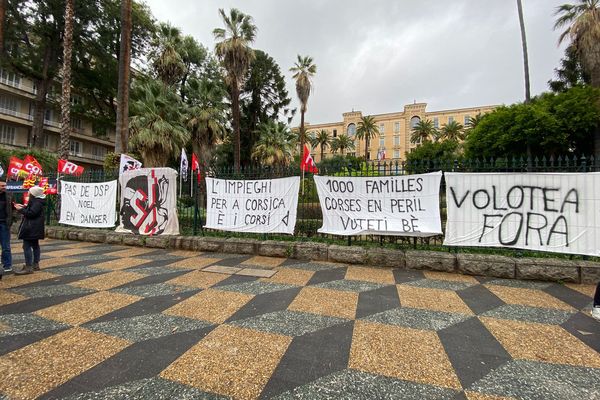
{"x": 394, "y": 129}
{"x": 17, "y": 94}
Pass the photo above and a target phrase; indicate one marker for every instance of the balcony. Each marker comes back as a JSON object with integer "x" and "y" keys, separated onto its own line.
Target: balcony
{"x": 18, "y": 85}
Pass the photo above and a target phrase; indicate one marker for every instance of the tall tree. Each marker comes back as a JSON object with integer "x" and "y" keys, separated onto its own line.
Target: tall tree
{"x": 452, "y": 131}
{"x": 367, "y": 129}
{"x": 342, "y": 143}
{"x": 122, "y": 125}
{"x": 264, "y": 98}
{"x": 423, "y": 131}
{"x": 234, "y": 51}
{"x": 525, "y": 53}
{"x": 304, "y": 69}
{"x": 166, "y": 54}
{"x": 65, "y": 101}
{"x": 570, "y": 73}
{"x": 275, "y": 144}
{"x": 3, "y": 6}
{"x": 582, "y": 22}
{"x": 321, "y": 140}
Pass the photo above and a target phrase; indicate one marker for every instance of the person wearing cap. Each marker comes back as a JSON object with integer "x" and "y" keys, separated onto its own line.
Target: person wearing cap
{"x": 5, "y": 224}
{"x": 31, "y": 230}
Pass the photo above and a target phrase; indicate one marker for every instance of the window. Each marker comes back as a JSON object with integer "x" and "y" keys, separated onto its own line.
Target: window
{"x": 436, "y": 123}
{"x": 396, "y": 153}
{"x": 47, "y": 140}
{"x": 76, "y": 100}
{"x": 9, "y": 104}
{"x": 467, "y": 120}
{"x": 48, "y": 115}
{"x": 9, "y": 78}
{"x": 368, "y": 155}
{"x": 98, "y": 151}
{"x": 396, "y": 127}
{"x": 397, "y": 140}
{"x": 7, "y": 134}
{"x": 335, "y": 133}
{"x": 75, "y": 147}
{"x": 351, "y": 130}
{"x": 450, "y": 119}
{"x": 76, "y": 123}
{"x": 381, "y": 142}
{"x": 414, "y": 121}
{"x": 381, "y": 129}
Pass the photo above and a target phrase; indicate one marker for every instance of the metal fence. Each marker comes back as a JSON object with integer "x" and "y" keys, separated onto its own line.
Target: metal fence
{"x": 191, "y": 196}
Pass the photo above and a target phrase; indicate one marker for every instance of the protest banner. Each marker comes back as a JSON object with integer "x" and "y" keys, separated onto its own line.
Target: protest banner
{"x": 149, "y": 202}
{"x": 554, "y": 212}
{"x": 128, "y": 163}
{"x": 260, "y": 206}
{"x": 49, "y": 184}
{"x": 391, "y": 205}
{"x": 91, "y": 205}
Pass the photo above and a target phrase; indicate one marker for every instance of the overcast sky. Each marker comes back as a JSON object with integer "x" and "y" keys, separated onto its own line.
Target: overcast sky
{"x": 376, "y": 56}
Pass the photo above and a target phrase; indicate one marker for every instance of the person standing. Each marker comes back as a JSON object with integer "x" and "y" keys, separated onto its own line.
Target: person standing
{"x": 31, "y": 230}
{"x": 5, "y": 224}
{"x": 596, "y": 307}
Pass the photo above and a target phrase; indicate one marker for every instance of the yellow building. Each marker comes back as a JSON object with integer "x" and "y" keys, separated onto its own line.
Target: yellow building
{"x": 394, "y": 129}
{"x": 88, "y": 147}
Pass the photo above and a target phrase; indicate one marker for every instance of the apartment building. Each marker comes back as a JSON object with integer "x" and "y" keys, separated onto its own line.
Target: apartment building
{"x": 394, "y": 129}
{"x": 89, "y": 144}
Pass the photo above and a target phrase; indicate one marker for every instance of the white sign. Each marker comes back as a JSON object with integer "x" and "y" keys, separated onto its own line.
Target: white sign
{"x": 261, "y": 206}
{"x": 92, "y": 205}
{"x": 554, "y": 212}
{"x": 128, "y": 164}
{"x": 148, "y": 202}
{"x": 391, "y": 205}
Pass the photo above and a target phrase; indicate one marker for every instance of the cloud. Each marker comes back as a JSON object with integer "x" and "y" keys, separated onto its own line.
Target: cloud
{"x": 379, "y": 55}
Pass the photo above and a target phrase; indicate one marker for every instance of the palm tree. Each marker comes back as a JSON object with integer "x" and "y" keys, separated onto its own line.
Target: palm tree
{"x": 275, "y": 144}
{"x": 322, "y": 140}
{"x": 65, "y": 100}
{"x": 582, "y": 22}
{"x": 122, "y": 126}
{"x": 473, "y": 122}
{"x": 234, "y": 51}
{"x": 303, "y": 70}
{"x": 423, "y": 131}
{"x": 3, "y": 6}
{"x": 157, "y": 125}
{"x": 167, "y": 61}
{"x": 452, "y": 131}
{"x": 334, "y": 146}
{"x": 366, "y": 130}
{"x": 206, "y": 117}
{"x": 343, "y": 143}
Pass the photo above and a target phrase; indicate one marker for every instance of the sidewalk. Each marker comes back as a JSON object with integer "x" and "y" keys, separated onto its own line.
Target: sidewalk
{"x": 111, "y": 322}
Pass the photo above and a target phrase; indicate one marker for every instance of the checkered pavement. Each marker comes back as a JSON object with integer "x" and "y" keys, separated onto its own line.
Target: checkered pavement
{"x": 111, "y": 322}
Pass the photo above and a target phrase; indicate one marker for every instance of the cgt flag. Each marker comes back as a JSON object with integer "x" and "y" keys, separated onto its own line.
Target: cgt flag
{"x": 308, "y": 164}
{"x": 14, "y": 166}
{"x": 69, "y": 168}
{"x": 31, "y": 166}
{"x": 196, "y": 166}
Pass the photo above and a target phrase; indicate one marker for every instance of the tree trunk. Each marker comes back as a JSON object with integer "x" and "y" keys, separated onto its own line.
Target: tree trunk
{"x": 122, "y": 126}
{"x": 235, "y": 110}
{"x": 366, "y": 148}
{"x": 301, "y": 133}
{"x": 526, "y": 69}
{"x": 42, "y": 85}
{"x": 3, "y": 5}
{"x": 595, "y": 81}
{"x": 322, "y": 153}
{"x": 65, "y": 103}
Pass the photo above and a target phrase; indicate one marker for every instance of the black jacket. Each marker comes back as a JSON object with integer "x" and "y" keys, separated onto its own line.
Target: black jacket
{"x": 32, "y": 224}
{"x": 9, "y": 207}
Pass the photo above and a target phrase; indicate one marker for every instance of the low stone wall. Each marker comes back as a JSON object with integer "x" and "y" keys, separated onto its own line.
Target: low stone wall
{"x": 546, "y": 269}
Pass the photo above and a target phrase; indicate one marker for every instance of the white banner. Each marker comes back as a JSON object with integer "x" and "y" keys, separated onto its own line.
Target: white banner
{"x": 554, "y": 212}
{"x": 149, "y": 202}
{"x": 391, "y": 205}
{"x": 92, "y": 205}
{"x": 261, "y": 206}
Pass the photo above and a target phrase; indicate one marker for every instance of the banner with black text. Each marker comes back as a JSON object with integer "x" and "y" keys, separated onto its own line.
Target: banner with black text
{"x": 392, "y": 205}
{"x": 259, "y": 206}
{"x": 554, "y": 212}
{"x": 91, "y": 205}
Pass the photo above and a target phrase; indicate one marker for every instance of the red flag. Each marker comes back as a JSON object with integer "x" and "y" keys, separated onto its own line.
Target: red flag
{"x": 15, "y": 165}
{"x": 308, "y": 164}
{"x": 69, "y": 168}
{"x": 32, "y": 166}
{"x": 196, "y": 166}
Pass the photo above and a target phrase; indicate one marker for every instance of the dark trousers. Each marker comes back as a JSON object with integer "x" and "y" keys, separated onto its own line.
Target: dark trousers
{"x": 31, "y": 248}
{"x": 5, "y": 242}
{"x": 597, "y": 296}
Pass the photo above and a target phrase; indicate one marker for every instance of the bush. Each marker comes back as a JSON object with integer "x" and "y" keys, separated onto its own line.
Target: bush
{"x": 433, "y": 156}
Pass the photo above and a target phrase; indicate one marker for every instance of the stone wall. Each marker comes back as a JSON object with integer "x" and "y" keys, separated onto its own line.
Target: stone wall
{"x": 547, "y": 269}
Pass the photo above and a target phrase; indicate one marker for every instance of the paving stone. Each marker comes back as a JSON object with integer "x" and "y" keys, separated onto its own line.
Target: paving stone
{"x": 418, "y": 318}
{"x": 290, "y": 323}
{"x": 15, "y": 324}
{"x": 260, "y": 273}
{"x": 221, "y": 269}
{"x": 529, "y": 314}
{"x": 350, "y": 286}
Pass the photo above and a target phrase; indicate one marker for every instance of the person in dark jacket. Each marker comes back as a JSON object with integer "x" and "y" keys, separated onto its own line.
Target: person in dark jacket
{"x": 31, "y": 230}
{"x": 5, "y": 224}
